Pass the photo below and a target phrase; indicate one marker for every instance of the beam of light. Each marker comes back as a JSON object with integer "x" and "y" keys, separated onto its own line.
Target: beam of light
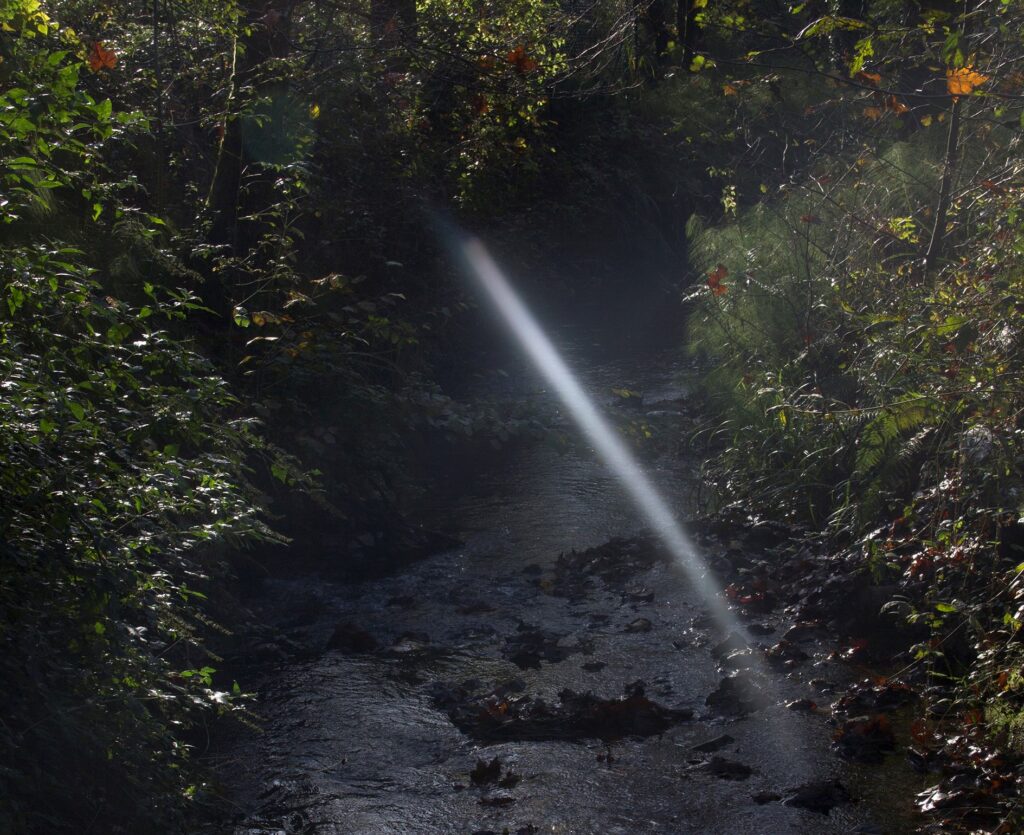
{"x": 781, "y": 742}
{"x": 606, "y": 441}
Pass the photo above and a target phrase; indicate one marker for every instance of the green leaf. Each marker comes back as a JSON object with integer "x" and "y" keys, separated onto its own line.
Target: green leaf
{"x": 945, "y": 607}
{"x": 46, "y": 426}
{"x": 76, "y": 410}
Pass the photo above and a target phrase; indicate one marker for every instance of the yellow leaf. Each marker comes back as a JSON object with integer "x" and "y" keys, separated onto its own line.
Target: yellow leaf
{"x": 926, "y": 120}
{"x": 963, "y": 81}
{"x": 314, "y": 111}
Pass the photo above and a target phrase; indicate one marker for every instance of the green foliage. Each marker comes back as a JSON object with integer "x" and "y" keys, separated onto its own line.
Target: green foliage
{"x": 864, "y": 325}
{"x": 123, "y": 475}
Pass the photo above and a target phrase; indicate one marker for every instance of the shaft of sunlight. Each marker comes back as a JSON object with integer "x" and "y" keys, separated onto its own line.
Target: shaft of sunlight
{"x": 606, "y": 441}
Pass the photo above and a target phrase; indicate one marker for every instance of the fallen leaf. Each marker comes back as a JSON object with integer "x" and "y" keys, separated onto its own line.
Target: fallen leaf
{"x": 896, "y": 106}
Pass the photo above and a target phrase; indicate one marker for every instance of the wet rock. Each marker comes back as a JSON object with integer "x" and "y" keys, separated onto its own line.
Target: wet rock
{"x": 725, "y": 769}
{"x": 735, "y": 695}
{"x": 802, "y": 705}
{"x": 404, "y": 645}
{"x": 477, "y": 607}
{"x": 760, "y": 629}
{"x": 575, "y": 716}
{"x": 820, "y": 797}
{"x": 739, "y": 659}
{"x": 402, "y": 601}
{"x": 733, "y": 641}
{"x": 639, "y": 596}
{"x": 347, "y": 637}
{"x": 761, "y": 798}
{"x": 806, "y": 631}
{"x": 513, "y": 685}
{"x": 594, "y": 666}
{"x": 500, "y": 798}
{"x": 864, "y": 738}
{"x": 510, "y": 780}
{"x": 639, "y": 625}
{"x": 485, "y": 772}
{"x": 714, "y": 744}
{"x": 475, "y": 632}
{"x": 874, "y": 696}
{"x": 823, "y": 685}
{"x": 784, "y": 652}
{"x": 530, "y": 646}
{"x": 533, "y": 570}
{"x": 614, "y": 563}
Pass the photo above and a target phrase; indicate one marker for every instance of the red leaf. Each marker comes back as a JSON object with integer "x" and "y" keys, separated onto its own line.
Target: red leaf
{"x": 715, "y": 280}
{"x": 101, "y": 58}
{"x": 522, "y": 62}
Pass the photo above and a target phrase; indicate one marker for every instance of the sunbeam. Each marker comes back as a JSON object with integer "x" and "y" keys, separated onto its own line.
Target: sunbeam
{"x": 783, "y": 737}
{"x": 606, "y": 441}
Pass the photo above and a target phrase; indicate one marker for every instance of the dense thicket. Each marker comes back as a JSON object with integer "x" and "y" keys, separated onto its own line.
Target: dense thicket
{"x": 222, "y": 302}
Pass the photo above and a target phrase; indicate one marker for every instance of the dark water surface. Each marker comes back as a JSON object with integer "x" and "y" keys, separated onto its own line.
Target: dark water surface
{"x": 354, "y": 743}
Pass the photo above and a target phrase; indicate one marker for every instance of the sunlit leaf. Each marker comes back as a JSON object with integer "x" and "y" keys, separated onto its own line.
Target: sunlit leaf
{"x": 964, "y": 80}
{"x": 101, "y": 58}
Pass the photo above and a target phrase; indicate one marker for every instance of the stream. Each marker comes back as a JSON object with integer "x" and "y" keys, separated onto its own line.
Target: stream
{"x": 377, "y": 732}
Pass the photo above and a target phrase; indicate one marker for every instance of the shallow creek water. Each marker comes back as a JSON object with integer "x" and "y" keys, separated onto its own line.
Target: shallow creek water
{"x": 355, "y": 742}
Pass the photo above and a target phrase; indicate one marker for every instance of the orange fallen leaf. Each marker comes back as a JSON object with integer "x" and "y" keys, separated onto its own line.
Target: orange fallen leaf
{"x": 729, "y": 90}
{"x": 895, "y": 105}
{"x": 872, "y": 78}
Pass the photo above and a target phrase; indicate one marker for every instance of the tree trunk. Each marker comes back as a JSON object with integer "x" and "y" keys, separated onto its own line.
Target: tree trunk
{"x": 686, "y": 24}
